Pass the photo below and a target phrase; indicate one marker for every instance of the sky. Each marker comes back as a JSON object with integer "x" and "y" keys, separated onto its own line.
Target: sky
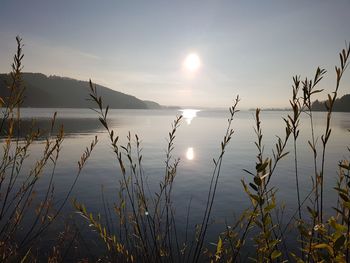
{"x": 246, "y": 48}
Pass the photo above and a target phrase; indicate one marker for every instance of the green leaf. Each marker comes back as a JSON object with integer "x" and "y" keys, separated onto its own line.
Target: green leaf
{"x": 344, "y": 197}
{"x": 270, "y": 207}
{"x": 324, "y": 246}
{"x": 339, "y": 242}
{"x": 320, "y": 246}
{"x": 347, "y": 205}
{"x": 340, "y": 190}
{"x": 255, "y": 197}
{"x": 219, "y": 247}
{"x": 253, "y": 186}
{"x": 257, "y": 180}
{"x": 275, "y": 254}
{"x": 261, "y": 166}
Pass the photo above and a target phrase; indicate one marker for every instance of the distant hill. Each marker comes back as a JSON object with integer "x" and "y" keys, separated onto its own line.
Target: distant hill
{"x": 342, "y": 104}
{"x": 60, "y": 92}
{"x": 152, "y": 104}
{"x": 156, "y": 106}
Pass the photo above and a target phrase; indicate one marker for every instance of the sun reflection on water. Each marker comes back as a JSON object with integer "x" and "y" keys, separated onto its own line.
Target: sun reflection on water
{"x": 189, "y": 115}
{"x": 190, "y": 154}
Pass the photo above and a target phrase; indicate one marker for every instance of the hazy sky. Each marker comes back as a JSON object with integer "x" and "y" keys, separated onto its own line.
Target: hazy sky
{"x": 250, "y": 48}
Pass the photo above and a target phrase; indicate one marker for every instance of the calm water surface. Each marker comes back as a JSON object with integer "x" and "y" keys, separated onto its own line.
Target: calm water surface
{"x": 197, "y": 143}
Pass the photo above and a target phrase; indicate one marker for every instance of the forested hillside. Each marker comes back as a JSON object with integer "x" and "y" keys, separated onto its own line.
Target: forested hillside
{"x": 59, "y": 92}
{"x": 341, "y": 104}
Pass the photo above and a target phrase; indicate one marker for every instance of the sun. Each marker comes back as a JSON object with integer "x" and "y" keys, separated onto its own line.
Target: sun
{"x": 192, "y": 62}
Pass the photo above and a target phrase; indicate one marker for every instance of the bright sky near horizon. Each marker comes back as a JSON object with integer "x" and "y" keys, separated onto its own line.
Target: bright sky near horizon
{"x": 250, "y": 48}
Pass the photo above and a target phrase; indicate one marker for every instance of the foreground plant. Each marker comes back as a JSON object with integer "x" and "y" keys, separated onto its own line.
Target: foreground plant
{"x": 147, "y": 226}
{"x": 319, "y": 239}
{"x": 20, "y": 228}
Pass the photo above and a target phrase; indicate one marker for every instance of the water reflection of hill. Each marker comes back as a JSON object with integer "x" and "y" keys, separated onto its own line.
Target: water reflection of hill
{"x": 71, "y": 126}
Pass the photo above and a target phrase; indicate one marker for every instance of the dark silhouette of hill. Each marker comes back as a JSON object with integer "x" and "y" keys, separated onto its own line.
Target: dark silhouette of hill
{"x": 342, "y": 104}
{"x": 60, "y": 92}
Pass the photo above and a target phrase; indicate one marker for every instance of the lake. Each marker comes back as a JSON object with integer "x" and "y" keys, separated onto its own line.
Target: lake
{"x": 197, "y": 143}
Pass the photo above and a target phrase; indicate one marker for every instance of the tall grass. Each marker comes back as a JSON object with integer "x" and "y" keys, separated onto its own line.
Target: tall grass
{"x": 144, "y": 228}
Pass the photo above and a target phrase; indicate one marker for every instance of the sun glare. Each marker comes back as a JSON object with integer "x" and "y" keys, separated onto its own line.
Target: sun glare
{"x": 190, "y": 154}
{"x": 192, "y": 62}
{"x": 189, "y": 115}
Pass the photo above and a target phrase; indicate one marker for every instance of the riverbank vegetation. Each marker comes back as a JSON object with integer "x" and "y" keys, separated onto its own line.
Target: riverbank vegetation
{"x": 144, "y": 222}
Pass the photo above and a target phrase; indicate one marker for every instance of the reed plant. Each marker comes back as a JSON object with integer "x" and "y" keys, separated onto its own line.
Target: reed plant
{"x": 25, "y": 217}
{"x": 320, "y": 239}
{"x": 146, "y": 222}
